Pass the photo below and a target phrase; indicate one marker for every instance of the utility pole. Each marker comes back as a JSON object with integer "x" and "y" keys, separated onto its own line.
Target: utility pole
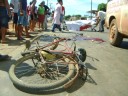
{"x": 47, "y": 2}
{"x": 91, "y": 9}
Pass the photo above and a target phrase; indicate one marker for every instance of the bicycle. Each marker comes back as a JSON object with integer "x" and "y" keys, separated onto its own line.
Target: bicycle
{"x": 57, "y": 68}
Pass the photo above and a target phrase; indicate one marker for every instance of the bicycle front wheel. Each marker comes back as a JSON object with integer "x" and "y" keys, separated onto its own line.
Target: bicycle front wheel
{"x": 30, "y": 75}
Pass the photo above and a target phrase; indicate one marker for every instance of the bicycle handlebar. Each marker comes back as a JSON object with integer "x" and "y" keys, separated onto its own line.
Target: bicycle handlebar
{"x": 62, "y": 39}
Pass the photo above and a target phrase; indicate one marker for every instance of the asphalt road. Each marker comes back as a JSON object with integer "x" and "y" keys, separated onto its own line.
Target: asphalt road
{"x": 108, "y": 74}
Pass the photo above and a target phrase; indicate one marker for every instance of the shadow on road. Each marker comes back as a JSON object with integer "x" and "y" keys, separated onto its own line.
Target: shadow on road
{"x": 124, "y": 45}
{"x": 89, "y": 66}
{"x": 5, "y": 65}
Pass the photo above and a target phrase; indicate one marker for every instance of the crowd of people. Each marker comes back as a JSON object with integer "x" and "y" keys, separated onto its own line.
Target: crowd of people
{"x": 26, "y": 17}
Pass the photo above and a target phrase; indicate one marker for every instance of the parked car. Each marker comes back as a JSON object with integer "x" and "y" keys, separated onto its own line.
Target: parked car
{"x": 117, "y": 21}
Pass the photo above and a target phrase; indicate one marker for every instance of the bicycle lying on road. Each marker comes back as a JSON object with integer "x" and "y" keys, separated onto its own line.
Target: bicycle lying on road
{"x": 47, "y": 67}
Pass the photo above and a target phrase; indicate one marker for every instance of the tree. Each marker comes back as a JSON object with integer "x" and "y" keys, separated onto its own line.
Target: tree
{"x": 102, "y": 6}
{"x": 78, "y": 16}
{"x": 67, "y": 17}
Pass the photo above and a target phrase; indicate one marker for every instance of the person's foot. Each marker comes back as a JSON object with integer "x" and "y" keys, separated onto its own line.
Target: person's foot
{"x": 20, "y": 38}
{"x": 4, "y": 57}
{"x": 100, "y": 31}
{"x": 29, "y": 36}
{"x": 61, "y": 31}
{"x": 52, "y": 31}
{"x": 45, "y": 29}
{"x": 3, "y": 42}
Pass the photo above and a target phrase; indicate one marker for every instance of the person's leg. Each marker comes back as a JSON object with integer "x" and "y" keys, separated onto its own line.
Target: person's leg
{"x": 20, "y": 27}
{"x": 25, "y": 23}
{"x": 16, "y": 29}
{"x": 42, "y": 21}
{"x": 53, "y": 28}
{"x": 0, "y": 30}
{"x": 26, "y": 30}
{"x": 3, "y": 23}
{"x": 33, "y": 25}
{"x": 45, "y": 22}
{"x": 0, "y": 34}
{"x": 39, "y": 21}
{"x": 102, "y": 25}
{"x": 3, "y": 31}
{"x": 15, "y": 19}
{"x": 31, "y": 22}
{"x": 59, "y": 27}
{"x": 39, "y": 25}
{"x": 35, "y": 20}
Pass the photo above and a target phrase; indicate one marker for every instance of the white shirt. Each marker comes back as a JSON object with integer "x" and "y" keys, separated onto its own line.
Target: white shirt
{"x": 57, "y": 13}
{"x": 16, "y": 5}
{"x": 101, "y": 15}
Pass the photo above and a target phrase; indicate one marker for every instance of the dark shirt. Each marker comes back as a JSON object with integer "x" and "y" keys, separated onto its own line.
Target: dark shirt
{"x": 46, "y": 9}
{"x": 24, "y": 4}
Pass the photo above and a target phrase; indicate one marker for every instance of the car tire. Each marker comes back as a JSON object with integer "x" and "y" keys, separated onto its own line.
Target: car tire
{"x": 115, "y": 37}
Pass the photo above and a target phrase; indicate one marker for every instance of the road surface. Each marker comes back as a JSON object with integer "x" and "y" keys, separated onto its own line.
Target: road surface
{"x": 108, "y": 74}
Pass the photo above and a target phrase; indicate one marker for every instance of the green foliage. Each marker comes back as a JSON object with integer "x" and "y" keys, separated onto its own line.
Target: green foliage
{"x": 102, "y": 6}
{"x": 67, "y": 17}
{"x": 78, "y": 16}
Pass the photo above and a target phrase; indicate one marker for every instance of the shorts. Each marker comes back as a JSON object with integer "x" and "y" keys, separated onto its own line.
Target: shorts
{"x": 41, "y": 18}
{"x": 33, "y": 17}
{"x": 15, "y": 18}
{"x": 22, "y": 20}
{"x": 4, "y": 18}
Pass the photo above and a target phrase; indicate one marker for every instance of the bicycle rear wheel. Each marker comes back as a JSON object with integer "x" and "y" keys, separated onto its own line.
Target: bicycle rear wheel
{"x": 29, "y": 75}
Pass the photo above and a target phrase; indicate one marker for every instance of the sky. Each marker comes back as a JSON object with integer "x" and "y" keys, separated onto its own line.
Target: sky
{"x": 74, "y": 7}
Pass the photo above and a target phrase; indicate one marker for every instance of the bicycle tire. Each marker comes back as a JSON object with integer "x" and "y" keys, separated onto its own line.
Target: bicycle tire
{"x": 37, "y": 87}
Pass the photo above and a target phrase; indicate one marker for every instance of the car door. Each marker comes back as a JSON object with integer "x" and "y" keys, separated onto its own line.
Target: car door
{"x": 124, "y": 17}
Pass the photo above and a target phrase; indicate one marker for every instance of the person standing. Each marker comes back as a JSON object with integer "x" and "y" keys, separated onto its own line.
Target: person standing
{"x": 14, "y": 5}
{"x": 5, "y": 13}
{"x": 101, "y": 18}
{"x": 23, "y": 18}
{"x": 32, "y": 16}
{"x": 41, "y": 15}
{"x": 57, "y": 14}
{"x": 46, "y": 13}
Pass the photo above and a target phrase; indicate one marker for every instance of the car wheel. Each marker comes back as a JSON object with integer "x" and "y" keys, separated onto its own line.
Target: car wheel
{"x": 115, "y": 37}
